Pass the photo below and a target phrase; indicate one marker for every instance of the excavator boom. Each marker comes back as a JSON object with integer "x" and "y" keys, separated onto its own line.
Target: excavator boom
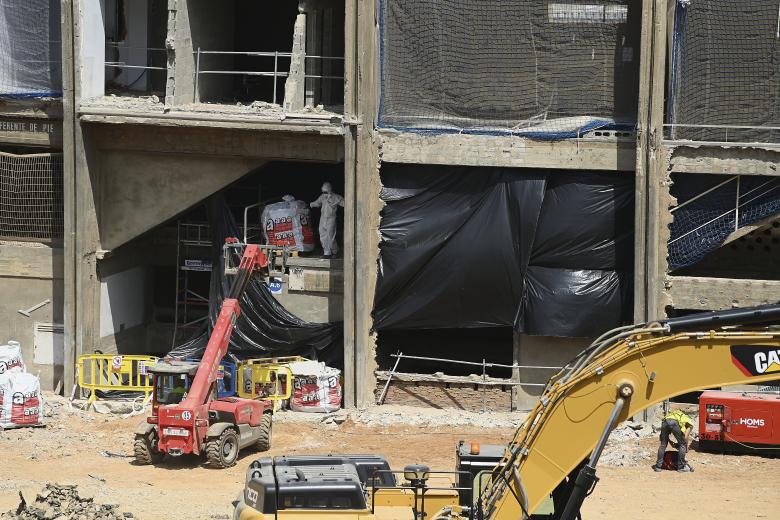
{"x": 617, "y": 377}
{"x": 620, "y": 374}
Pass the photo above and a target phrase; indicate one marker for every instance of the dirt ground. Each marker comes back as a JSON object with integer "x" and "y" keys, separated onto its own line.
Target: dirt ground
{"x": 72, "y": 450}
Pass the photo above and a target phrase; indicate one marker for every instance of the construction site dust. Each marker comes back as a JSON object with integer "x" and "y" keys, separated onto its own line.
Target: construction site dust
{"x": 93, "y": 451}
{"x": 389, "y": 259}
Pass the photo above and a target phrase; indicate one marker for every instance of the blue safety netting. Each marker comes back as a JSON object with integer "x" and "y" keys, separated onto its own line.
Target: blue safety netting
{"x": 541, "y": 70}
{"x": 712, "y": 207}
{"x": 724, "y": 74}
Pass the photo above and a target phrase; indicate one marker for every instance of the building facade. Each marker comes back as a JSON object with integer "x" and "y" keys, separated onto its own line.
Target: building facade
{"x": 166, "y": 103}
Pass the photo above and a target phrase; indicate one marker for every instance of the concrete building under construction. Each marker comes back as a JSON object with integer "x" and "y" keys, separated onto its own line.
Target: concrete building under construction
{"x": 517, "y": 176}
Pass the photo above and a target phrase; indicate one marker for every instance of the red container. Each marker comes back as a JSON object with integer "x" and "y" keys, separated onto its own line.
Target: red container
{"x": 739, "y": 421}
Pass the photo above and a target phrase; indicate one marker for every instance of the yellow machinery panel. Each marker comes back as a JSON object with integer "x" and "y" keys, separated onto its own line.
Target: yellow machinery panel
{"x": 266, "y": 378}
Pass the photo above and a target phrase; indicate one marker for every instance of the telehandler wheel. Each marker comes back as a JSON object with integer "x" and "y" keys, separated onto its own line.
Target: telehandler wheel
{"x": 145, "y": 449}
{"x": 266, "y": 427}
{"x": 222, "y": 451}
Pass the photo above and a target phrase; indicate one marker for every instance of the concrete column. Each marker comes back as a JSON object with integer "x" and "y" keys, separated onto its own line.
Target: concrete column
{"x": 170, "y": 46}
{"x": 314, "y": 25}
{"x": 361, "y": 216}
{"x": 294, "y": 86}
{"x": 87, "y": 246}
{"x": 326, "y": 66}
{"x": 658, "y": 216}
{"x": 69, "y": 192}
{"x": 91, "y": 37}
{"x": 640, "y": 194}
{"x": 539, "y": 351}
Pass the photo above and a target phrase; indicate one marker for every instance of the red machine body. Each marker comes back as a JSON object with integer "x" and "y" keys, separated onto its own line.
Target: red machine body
{"x": 183, "y": 428}
{"x": 739, "y": 421}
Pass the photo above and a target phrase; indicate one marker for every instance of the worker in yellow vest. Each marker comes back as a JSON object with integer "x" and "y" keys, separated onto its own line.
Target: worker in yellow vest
{"x": 680, "y": 425}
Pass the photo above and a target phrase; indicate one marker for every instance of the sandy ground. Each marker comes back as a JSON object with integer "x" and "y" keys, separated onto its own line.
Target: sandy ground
{"x": 68, "y": 451}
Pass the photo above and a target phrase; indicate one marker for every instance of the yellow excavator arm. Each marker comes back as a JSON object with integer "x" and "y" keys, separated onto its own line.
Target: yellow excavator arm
{"x": 619, "y": 375}
{"x": 556, "y": 450}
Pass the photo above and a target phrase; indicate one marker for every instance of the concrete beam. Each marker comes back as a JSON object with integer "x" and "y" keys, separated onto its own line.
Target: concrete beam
{"x": 514, "y": 152}
{"x": 30, "y": 261}
{"x": 305, "y": 124}
{"x": 699, "y": 293}
{"x": 219, "y": 142}
{"x": 140, "y": 191}
{"x": 31, "y": 123}
{"x": 725, "y": 161}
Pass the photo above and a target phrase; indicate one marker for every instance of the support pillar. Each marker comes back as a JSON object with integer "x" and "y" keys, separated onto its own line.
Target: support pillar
{"x": 313, "y": 67}
{"x": 294, "y": 86}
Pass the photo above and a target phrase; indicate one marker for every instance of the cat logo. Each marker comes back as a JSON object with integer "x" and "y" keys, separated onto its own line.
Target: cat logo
{"x": 756, "y": 360}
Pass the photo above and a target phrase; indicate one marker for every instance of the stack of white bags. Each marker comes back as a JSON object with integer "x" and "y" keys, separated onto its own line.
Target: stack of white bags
{"x": 21, "y": 402}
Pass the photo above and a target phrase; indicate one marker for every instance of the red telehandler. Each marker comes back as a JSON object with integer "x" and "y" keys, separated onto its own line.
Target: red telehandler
{"x": 187, "y": 416}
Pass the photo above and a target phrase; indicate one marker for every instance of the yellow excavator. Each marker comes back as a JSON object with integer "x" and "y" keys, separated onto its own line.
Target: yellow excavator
{"x": 549, "y": 467}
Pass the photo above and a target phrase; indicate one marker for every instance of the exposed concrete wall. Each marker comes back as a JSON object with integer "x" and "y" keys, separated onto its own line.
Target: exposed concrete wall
{"x": 454, "y": 395}
{"x": 512, "y": 152}
{"x": 31, "y": 274}
{"x": 536, "y": 351}
{"x": 91, "y": 69}
{"x": 708, "y": 294}
{"x": 295, "y": 86}
{"x": 725, "y": 160}
{"x": 211, "y": 28}
{"x": 140, "y": 191}
{"x": 313, "y": 289}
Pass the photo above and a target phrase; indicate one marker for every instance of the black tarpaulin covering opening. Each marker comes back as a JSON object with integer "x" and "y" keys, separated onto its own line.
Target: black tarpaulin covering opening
{"x": 547, "y": 252}
{"x": 264, "y": 327}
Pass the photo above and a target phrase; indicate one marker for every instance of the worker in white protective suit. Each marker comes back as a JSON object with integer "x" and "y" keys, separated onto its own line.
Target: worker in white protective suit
{"x": 329, "y": 202}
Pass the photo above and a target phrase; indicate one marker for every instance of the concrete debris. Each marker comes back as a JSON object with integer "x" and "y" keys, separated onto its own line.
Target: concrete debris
{"x": 390, "y": 415}
{"x": 62, "y": 502}
{"x": 623, "y": 448}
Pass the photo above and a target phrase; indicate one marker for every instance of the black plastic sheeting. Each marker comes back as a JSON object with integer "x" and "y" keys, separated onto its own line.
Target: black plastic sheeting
{"x": 547, "y": 252}
{"x": 264, "y": 327}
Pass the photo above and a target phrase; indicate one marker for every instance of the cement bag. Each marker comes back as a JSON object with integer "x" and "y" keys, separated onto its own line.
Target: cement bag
{"x": 21, "y": 402}
{"x": 316, "y": 387}
{"x": 11, "y": 358}
{"x": 288, "y": 223}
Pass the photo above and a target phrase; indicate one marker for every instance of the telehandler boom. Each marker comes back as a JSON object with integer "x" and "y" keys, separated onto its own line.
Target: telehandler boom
{"x": 187, "y": 417}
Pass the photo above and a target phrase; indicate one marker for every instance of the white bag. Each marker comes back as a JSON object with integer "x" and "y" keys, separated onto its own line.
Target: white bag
{"x": 288, "y": 223}
{"x": 21, "y": 402}
{"x": 11, "y": 358}
{"x": 316, "y": 387}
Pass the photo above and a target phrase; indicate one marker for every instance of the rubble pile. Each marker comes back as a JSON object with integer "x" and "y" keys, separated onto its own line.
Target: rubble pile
{"x": 62, "y": 502}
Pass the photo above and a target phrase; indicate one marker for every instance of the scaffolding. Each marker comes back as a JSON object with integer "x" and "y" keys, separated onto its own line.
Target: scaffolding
{"x": 191, "y": 310}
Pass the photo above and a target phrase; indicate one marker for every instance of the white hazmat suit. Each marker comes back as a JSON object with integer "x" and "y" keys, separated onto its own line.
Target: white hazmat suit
{"x": 329, "y": 202}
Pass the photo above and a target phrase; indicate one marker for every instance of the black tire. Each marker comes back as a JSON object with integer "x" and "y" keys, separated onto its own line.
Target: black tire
{"x": 145, "y": 450}
{"x": 222, "y": 451}
{"x": 266, "y": 428}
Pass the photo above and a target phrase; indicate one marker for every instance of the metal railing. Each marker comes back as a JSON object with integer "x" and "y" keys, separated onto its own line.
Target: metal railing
{"x": 751, "y": 195}
{"x": 125, "y": 65}
{"x": 484, "y": 364}
{"x": 420, "y": 488}
{"x": 276, "y": 73}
